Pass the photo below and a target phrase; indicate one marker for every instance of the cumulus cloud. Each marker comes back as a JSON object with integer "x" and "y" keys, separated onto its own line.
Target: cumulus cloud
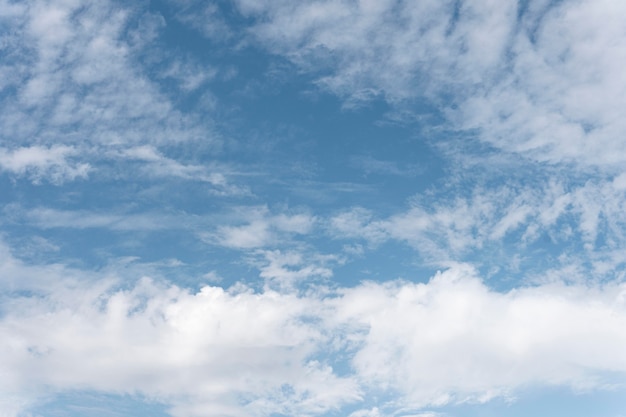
{"x": 244, "y": 353}
{"x": 424, "y": 339}
{"x": 205, "y": 353}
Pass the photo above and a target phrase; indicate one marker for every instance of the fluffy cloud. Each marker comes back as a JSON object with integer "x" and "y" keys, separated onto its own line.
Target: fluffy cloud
{"x": 454, "y": 340}
{"x": 244, "y": 353}
{"x": 205, "y": 353}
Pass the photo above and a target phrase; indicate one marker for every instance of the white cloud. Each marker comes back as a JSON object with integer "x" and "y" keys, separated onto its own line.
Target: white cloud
{"x": 372, "y": 165}
{"x": 286, "y": 269}
{"x": 39, "y": 163}
{"x": 189, "y": 75}
{"x": 549, "y": 86}
{"x": 356, "y": 223}
{"x": 48, "y": 218}
{"x": 451, "y": 228}
{"x": 244, "y": 353}
{"x": 82, "y": 86}
{"x": 374, "y": 412}
{"x": 542, "y": 79}
{"x": 560, "y": 100}
{"x": 207, "y": 18}
{"x": 454, "y": 340}
{"x": 261, "y": 229}
{"x": 153, "y": 164}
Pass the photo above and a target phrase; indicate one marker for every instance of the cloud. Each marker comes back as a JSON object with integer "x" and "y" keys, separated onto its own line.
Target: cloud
{"x": 452, "y": 226}
{"x": 559, "y": 101}
{"x": 454, "y": 340}
{"x": 84, "y": 90}
{"x": 287, "y": 270}
{"x": 153, "y": 164}
{"x": 88, "y": 90}
{"x": 38, "y": 163}
{"x": 203, "y": 353}
{"x": 539, "y": 78}
{"x": 239, "y": 352}
{"x": 188, "y": 74}
{"x": 261, "y": 229}
{"x": 207, "y": 19}
{"x": 372, "y": 165}
{"x": 49, "y": 218}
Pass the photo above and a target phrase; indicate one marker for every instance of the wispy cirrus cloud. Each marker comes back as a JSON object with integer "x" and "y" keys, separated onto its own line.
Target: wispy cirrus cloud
{"x": 538, "y": 78}
{"x": 80, "y": 87}
{"x": 154, "y": 164}
{"x": 371, "y": 165}
{"x": 50, "y": 218}
{"x": 574, "y": 218}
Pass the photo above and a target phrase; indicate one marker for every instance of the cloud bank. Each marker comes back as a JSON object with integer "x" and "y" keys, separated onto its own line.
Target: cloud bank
{"x": 244, "y": 352}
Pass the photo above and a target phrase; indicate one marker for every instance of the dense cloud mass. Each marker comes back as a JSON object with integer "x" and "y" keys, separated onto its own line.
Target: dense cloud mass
{"x": 249, "y": 353}
{"x": 372, "y": 208}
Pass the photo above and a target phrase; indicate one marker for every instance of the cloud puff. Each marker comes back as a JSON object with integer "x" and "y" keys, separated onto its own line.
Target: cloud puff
{"x": 38, "y": 163}
{"x": 290, "y": 268}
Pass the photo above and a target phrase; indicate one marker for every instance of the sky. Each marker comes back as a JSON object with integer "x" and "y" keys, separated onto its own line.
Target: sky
{"x": 313, "y": 208}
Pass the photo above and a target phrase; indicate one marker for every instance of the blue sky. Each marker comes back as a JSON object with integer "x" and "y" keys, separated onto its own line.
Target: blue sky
{"x": 371, "y": 208}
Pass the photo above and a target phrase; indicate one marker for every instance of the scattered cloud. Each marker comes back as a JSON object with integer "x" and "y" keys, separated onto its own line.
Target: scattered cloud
{"x": 81, "y": 91}
{"x": 541, "y": 79}
{"x": 218, "y": 283}
{"x": 446, "y": 229}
